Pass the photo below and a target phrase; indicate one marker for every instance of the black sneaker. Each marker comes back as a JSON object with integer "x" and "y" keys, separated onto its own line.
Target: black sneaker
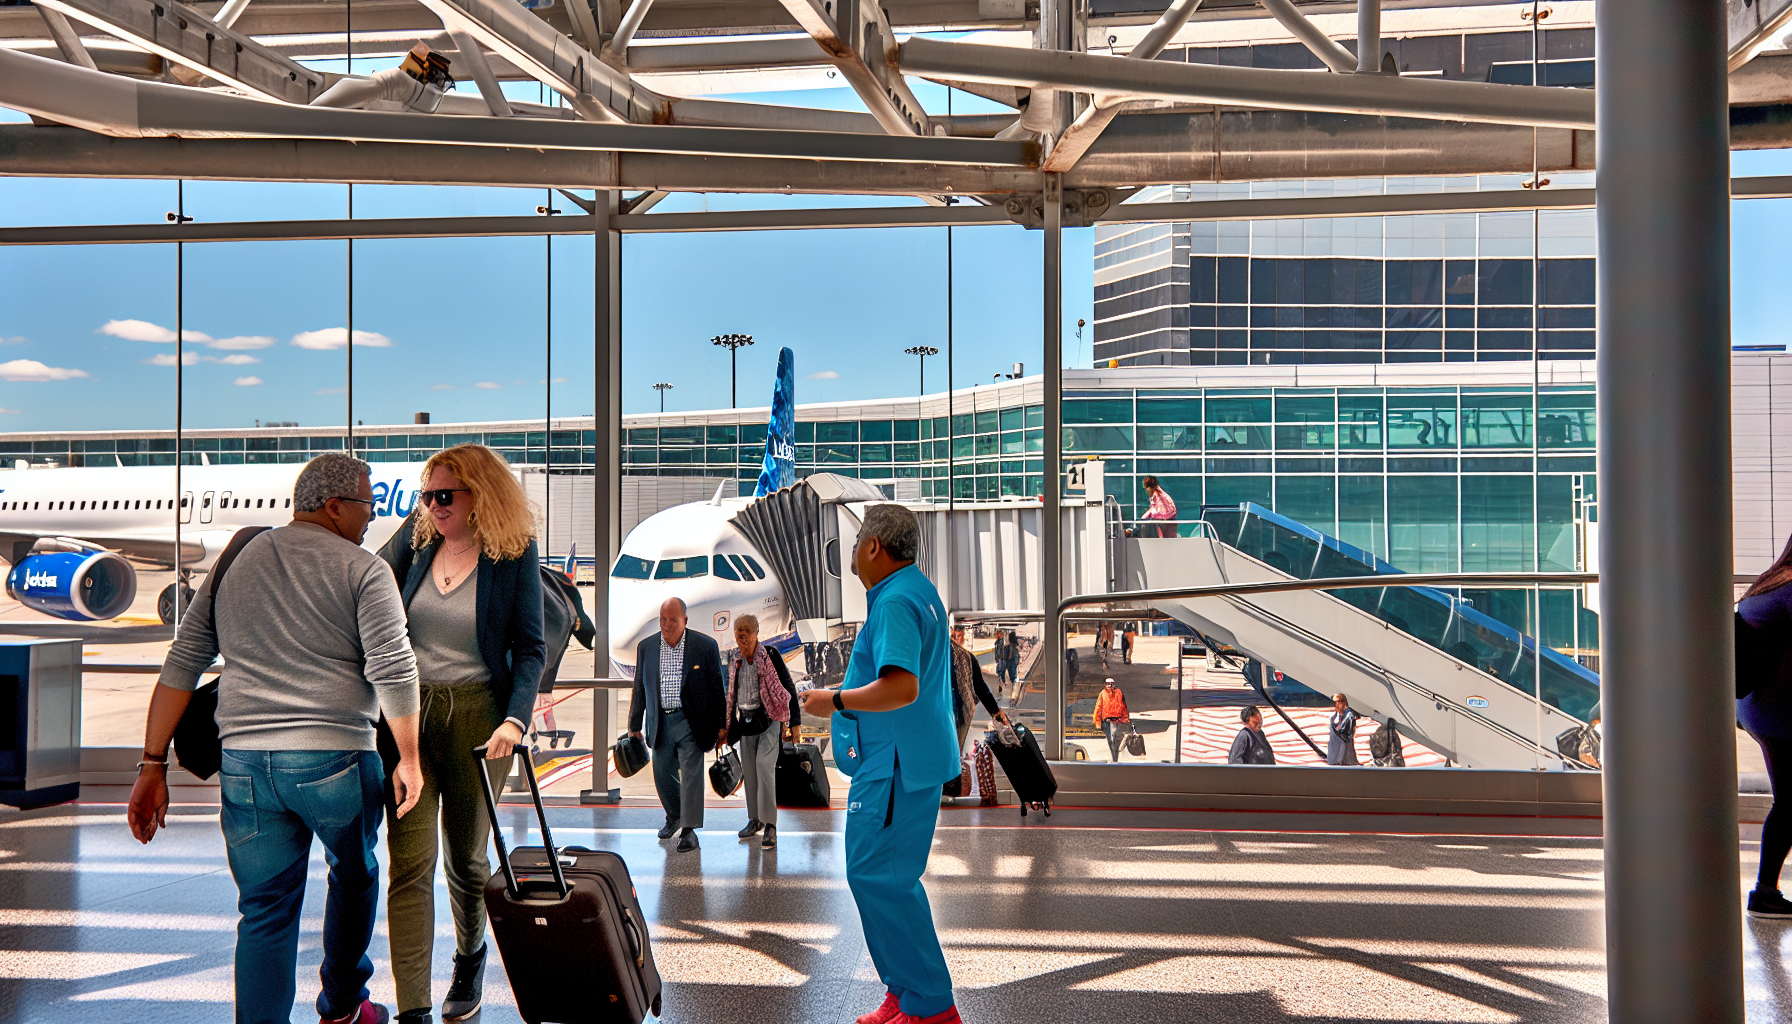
{"x": 752, "y": 829}
{"x": 465, "y": 992}
{"x": 771, "y": 837}
{"x": 687, "y": 841}
{"x": 1768, "y": 904}
{"x": 670, "y": 829}
{"x": 422, "y": 1016}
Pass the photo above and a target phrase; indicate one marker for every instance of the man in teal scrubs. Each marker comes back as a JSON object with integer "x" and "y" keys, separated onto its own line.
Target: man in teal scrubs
{"x": 893, "y": 733}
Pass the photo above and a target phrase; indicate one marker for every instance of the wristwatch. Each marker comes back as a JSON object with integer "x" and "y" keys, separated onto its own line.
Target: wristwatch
{"x": 838, "y": 705}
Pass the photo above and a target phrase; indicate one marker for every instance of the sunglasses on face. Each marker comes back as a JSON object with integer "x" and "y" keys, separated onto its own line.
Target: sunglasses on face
{"x": 443, "y": 497}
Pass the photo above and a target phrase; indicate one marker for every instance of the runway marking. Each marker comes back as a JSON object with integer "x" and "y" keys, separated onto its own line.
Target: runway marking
{"x": 62, "y": 965}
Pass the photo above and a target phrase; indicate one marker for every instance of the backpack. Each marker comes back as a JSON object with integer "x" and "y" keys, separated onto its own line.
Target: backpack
{"x": 1384, "y": 746}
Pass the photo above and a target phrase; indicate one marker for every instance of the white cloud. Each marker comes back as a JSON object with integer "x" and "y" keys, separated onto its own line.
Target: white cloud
{"x": 32, "y": 370}
{"x": 246, "y": 382}
{"x": 143, "y": 330}
{"x": 188, "y": 358}
{"x": 823, "y": 375}
{"x": 331, "y": 338}
{"x": 9, "y": 412}
{"x": 488, "y": 385}
{"x": 236, "y": 360}
{"x": 442, "y": 387}
{"x": 557, "y": 380}
{"x": 13, "y": 339}
{"x": 244, "y": 342}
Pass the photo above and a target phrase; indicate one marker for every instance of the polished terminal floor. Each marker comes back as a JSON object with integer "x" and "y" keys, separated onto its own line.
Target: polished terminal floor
{"x": 1094, "y": 916}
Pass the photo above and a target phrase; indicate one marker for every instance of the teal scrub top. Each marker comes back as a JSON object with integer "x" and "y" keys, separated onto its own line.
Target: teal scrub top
{"x": 905, "y": 627}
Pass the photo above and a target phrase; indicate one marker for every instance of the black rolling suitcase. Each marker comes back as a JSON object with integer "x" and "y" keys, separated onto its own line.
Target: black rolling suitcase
{"x": 802, "y": 777}
{"x": 569, "y": 926}
{"x": 1027, "y": 770}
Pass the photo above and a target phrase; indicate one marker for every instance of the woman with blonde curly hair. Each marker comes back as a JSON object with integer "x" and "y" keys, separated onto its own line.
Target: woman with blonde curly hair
{"x": 471, "y": 584}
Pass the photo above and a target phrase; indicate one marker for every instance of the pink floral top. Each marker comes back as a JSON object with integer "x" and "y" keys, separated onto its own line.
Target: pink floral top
{"x": 1162, "y": 505}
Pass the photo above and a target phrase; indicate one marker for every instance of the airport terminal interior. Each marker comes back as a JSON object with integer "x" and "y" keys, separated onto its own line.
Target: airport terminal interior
{"x": 1420, "y": 358}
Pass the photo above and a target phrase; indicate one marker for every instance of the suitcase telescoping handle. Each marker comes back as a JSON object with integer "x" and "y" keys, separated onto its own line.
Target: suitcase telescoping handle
{"x": 541, "y": 814}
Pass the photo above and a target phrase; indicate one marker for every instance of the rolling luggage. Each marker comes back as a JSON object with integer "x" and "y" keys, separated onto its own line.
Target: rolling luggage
{"x": 802, "y": 778}
{"x": 1027, "y": 770}
{"x": 985, "y": 763}
{"x": 569, "y": 927}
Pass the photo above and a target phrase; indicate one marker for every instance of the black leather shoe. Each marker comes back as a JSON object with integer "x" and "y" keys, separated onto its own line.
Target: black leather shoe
{"x": 415, "y": 1017}
{"x": 771, "y": 837}
{"x": 465, "y": 992}
{"x": 670, "y": 829}
{"x": 687, "y": 841}
{"x": 752, "y": 829}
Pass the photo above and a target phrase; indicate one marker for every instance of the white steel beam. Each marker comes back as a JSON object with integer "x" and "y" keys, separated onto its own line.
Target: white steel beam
{"x": 67, "y": 42}
{"x": 472, "y": 58}
{"x": 1534, "y": 106}
{"x": 859, "y": 41}
{"x": 630, "y": 24}
{"x": 1323, "y": 46}
{"x": 178, "y": 33}
{"x": 1095, "y": 118}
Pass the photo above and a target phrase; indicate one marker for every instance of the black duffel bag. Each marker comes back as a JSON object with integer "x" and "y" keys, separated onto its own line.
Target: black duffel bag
{"x": 629, "y": 754}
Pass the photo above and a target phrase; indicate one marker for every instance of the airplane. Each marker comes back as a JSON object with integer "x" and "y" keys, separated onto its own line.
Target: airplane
{"x": 75, "y": 537}
{"x": 694, "y": 553}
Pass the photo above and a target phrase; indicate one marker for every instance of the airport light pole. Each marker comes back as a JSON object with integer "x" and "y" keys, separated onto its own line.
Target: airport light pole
{"x": 662, "y": 388}
{"x": 733, "y": 343}
{"x": 923, "y": 351}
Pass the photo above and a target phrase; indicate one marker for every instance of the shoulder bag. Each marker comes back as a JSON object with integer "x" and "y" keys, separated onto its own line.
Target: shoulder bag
{"x": 196, "y": 743}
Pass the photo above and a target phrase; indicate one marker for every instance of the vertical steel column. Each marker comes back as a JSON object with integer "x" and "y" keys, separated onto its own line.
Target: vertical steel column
{"x": 1051, "y": 480}
{"x": 1673, "y": 923}
{"x": 606, "y": 374}
{"x": 1368, "y": 37}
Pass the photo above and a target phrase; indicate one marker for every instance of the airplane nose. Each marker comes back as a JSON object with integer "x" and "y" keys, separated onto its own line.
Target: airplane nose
{"x": 628, "y": 627}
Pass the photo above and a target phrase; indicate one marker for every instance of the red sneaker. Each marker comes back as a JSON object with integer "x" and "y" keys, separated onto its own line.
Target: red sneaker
{"x": 369, "y": 1012}
{"x": 889, "y": 1011}
{"x": 947, "y": 1016}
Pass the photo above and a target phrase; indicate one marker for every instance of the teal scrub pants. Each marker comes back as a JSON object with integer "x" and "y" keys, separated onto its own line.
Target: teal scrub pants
{"x": 889, "y": 833}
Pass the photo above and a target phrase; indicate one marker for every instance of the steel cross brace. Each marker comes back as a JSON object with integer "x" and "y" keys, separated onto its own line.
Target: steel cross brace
{"x": 859, "y": 41}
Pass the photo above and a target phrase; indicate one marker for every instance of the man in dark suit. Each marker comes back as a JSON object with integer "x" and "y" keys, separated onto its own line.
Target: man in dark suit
{"x": 680, "y": 702}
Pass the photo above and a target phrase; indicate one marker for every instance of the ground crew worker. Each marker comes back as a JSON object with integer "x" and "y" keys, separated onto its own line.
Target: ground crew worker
{"x": 1112, "y": 717}
{"x": 893, "y": 734}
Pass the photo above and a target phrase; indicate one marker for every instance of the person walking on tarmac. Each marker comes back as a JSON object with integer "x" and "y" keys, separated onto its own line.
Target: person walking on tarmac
{"x": 1127, "y": 639}
{"x": 680, "y": 702}
{"x": 893, "y": 735}
{"x": 1340, "y": 744}
{"x": 1110, "y": 711}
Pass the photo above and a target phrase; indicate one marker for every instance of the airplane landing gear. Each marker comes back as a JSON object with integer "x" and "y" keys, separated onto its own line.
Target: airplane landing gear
{"x": 165, "y": 602}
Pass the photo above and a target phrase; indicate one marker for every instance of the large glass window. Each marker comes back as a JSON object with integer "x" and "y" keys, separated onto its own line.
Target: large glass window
{"x": 1310, "y": 500}
{"x": 1497, "y": 524}
{"x": 1422, "y": 421}
{"x": 1422, "y": 523}
{"x": 1496, "y": 421}
{"x": 1362, "y": 513}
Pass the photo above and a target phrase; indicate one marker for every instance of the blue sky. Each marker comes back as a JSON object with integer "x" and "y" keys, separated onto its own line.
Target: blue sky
{"x": 456, "y": 327}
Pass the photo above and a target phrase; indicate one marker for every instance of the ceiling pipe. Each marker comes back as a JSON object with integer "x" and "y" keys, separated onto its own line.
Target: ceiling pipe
{"x": 1323, "y": 46}
{"x": 1368, "y": 37}
{"x": 231, "y": 11}
{"x": 1262, "y": 88}
{"x": 393, "y": 84}
{"x": 631, "y": 23}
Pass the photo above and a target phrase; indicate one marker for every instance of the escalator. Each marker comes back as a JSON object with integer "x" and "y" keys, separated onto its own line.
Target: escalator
{"x": 1456, "y": 679}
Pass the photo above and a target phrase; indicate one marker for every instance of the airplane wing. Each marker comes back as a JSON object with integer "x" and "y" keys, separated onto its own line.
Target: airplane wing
{"x": 155, "y": 548}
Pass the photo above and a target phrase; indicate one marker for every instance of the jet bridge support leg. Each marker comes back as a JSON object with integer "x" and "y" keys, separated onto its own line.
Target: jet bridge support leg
{"x": 1673, "y": 922}
{"x": 1051, "y": 524}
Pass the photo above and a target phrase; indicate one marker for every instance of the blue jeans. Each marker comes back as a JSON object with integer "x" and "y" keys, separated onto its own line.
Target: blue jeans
{"x": 274, "y": 802}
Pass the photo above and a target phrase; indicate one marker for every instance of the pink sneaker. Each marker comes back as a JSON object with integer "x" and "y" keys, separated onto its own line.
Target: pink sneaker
{"x": 947, "y": 1016}
{"x": 889, "y": 1011}
{"x": 369, "y": 1012}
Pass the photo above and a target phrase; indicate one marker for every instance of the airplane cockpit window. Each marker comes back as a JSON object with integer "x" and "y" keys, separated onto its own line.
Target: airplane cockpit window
{"x": 633, "y": 567}
{"x": 751, "y": 564}
{"x": 725, "y": 568}
{"x": 683, "y": 568}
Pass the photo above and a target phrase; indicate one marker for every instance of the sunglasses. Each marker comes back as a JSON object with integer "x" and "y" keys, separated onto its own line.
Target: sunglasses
{"x": 443, "y": 497}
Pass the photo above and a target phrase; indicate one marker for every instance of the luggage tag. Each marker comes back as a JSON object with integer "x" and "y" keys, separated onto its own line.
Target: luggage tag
{"x": 844, "y": 728}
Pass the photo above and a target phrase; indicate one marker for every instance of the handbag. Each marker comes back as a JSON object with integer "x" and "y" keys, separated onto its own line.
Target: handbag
{"x": 1135, "y": 744}
{"x": 628, "y": 754}
{"x": 197, "y": 745}
{"x": 751, "y": 721}
{"x": 725, "y": 775}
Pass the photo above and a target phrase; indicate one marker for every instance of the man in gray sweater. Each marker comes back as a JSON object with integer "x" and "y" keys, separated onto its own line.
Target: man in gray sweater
{"x": 312, "y": 631}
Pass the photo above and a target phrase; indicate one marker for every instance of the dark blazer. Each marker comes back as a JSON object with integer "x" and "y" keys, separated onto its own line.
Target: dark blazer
{"x": 509, "y": 603}
{"x": 705, "y": 702}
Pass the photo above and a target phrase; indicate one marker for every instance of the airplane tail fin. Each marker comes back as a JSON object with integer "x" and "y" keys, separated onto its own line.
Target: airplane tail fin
{"x": 571, "y": 566}
{"x": 779, "y": 468}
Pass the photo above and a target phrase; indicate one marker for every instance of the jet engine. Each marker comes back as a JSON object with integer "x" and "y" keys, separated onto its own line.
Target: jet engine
{"x": 80, "y": 585}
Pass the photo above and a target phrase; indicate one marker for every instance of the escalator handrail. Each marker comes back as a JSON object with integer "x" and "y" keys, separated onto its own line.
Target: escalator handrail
{"x": 1405, "y": 579}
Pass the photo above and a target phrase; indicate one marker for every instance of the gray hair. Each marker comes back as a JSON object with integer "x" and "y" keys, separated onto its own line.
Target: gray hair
{"x": 896, "y": 528}
{"x": 330, "y": 475}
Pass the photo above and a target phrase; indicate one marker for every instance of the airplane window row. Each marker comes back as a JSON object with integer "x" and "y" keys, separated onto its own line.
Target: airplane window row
{"x": 134, "y": 505}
